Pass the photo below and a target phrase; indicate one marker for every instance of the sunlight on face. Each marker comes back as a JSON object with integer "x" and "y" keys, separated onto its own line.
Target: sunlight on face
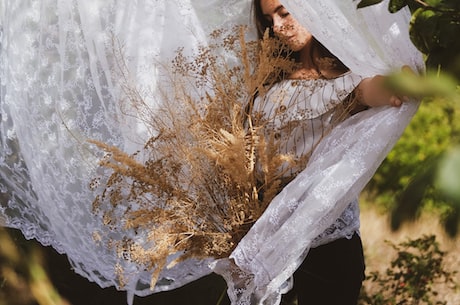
{"x": 285, "y": 26}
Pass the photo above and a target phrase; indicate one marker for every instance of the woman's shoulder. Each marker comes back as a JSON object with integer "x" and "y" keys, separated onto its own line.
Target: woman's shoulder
{"x": 347, "y": 77}
{"x": 317, "y": 95}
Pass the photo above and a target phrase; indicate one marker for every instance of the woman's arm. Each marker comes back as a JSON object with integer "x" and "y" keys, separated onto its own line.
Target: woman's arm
{"x": 373, "y": 92}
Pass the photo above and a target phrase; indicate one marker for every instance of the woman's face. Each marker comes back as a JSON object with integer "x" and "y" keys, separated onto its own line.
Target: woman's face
{"x": 285, "y": 27}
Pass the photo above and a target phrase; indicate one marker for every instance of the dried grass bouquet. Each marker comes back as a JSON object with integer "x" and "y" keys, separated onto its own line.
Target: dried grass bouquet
{"x": 210, "y": 169}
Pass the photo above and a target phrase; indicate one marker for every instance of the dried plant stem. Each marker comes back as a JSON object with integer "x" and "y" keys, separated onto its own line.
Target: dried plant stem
{"x": 196, "y": 187}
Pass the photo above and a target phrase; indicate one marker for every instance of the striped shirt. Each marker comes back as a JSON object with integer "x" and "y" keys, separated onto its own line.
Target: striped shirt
{"x": 298, "y": 114}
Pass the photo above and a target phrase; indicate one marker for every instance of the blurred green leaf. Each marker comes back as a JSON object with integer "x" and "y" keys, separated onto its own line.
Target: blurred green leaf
{"x": 434, "y": 31}
{"x": 443, "y": 4}
{"x": 365, "y": 3}
{"x": 423, "y": 30}
{"x": 451, "y": 222}
{"x": 448, "y": 175}
{"x": 434, "y": 3}
{"x": 409, "y": 202}
{"x": 448, "y": 30}
{"x": 432, "y": 84}
{"x": 396, "y": 5}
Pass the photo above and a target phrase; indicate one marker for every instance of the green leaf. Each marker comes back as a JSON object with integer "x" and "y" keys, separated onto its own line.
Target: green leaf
{"x": 452, "y": 221}
{"x": 424, "y": 30}
{"x": 396, "y": 5}
{"x": 447, "y": 60}
{"x": 443, "y": 4}
{"x": 448, "y": 176}
{"x": 409, "y": 203}
{"x": 448, "y": 33}
{"x": 448, "y": 182}
{"x": 365, "y": 3}
{"x": 429, "y": 85}
{"x": 435, "y": 3}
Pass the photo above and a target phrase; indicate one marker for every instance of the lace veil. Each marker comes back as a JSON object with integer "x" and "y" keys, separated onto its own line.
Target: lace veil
{"x": 58, "y": 88}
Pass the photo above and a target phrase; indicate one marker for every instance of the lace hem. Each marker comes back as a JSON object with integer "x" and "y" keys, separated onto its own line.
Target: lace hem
{"x": 344, "y": 227}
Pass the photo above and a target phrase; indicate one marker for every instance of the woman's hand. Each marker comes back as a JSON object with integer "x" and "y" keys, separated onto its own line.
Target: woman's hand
{"x": 374, "y": 92}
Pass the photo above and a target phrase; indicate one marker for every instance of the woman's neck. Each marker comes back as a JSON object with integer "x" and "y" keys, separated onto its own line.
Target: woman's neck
{"x": 308, "y": 67}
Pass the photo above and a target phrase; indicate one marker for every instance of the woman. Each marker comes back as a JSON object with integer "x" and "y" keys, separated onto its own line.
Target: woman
{"x": 59, "y": 80}
{"x": 333, "y": 271}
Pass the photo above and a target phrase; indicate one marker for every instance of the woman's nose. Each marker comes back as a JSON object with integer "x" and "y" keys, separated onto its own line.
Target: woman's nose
{"x": 278, "y": 25}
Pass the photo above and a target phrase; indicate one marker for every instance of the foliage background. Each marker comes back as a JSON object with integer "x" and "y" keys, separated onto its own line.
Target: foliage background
{"x": 423, "y": 171}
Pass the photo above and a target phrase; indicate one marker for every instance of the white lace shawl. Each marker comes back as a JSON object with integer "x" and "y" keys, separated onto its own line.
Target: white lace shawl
{"x": 58, "y": 89}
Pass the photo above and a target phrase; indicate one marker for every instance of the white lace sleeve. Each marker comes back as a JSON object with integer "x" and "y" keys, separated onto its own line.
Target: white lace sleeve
{"x": 371, "y": 41}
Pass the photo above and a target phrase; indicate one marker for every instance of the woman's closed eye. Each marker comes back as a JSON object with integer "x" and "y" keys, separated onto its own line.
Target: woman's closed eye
{"x": 280, "y": 11}
{"x": 283, "y": 13}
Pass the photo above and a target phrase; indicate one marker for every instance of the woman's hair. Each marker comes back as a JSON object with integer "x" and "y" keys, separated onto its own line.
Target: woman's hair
{"x": 262, "y": 24}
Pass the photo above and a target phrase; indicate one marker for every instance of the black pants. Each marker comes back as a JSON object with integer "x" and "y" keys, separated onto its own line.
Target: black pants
{"x": 331, "y": 274}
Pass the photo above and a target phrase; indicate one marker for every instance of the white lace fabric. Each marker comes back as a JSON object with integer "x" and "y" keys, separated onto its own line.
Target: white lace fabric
{"x": 370, "y": 41}
{"x": 59, "y": 88}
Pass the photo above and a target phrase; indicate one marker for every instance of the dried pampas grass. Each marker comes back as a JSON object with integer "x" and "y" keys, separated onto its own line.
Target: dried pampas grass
{"x": 210, "y": 169}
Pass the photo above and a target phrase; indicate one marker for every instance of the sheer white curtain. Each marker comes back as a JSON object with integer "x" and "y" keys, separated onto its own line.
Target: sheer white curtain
{"x": 59, "y": 87}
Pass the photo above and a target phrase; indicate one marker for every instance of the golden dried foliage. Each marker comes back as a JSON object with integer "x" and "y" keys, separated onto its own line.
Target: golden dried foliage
{"x": 196, "y": 187}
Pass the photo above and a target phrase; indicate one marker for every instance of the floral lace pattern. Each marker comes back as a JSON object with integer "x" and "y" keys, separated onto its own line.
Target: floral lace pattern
{"x": 58, "y": 71}
{"x": 343, "y": 227}
{"x": 59, "y": 87}
{"x": 345, "y": 160}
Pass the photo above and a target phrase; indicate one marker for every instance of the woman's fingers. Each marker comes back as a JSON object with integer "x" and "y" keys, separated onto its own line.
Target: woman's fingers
{"x": 395, "y": 101}
{"x": 375, "y": 92}
{"x": 408, "y": 70}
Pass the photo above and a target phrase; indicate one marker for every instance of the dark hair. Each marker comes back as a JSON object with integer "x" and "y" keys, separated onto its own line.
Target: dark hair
{"x": 262, "y": 24}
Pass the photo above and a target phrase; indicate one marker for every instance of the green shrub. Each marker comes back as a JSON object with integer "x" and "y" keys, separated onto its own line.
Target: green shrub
{"x": 434, "y": 128}
{"x": 416, "y": 268}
